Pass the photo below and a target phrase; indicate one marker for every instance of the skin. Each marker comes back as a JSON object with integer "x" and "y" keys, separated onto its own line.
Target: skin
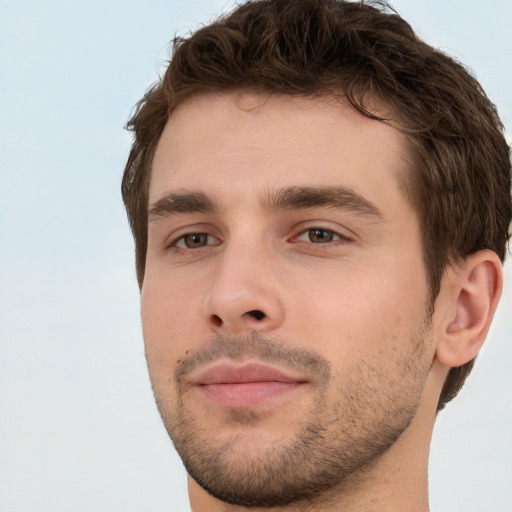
{"x": 343, "y": 284}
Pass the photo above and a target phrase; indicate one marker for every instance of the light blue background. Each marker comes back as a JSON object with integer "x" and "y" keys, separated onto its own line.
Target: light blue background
{"x": 78, "y": 428}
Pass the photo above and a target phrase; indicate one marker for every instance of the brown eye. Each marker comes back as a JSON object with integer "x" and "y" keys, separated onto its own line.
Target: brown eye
{"x": 321, "y": 236}
{"x": 195, "y": 241}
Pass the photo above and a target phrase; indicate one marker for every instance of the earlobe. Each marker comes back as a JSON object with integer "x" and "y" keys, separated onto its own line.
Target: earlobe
{"x": 474, "y": 289}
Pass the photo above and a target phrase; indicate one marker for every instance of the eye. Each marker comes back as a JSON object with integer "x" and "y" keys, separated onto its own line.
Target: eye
{"x": 319, "y": 236}
{"x": 194, "y": 241}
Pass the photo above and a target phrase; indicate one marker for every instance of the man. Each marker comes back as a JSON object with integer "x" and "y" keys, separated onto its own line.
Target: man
{"x": 321, "y": 206}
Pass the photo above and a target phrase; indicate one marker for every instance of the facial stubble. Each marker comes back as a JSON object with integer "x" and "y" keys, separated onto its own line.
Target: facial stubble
{"x": 332, "y": 442}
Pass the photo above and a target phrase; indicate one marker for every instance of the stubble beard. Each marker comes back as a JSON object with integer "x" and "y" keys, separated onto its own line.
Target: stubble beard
{"x": 336, "y": 440}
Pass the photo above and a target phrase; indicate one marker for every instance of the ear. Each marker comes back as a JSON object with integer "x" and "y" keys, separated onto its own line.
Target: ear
{"x": 470, "y": 292}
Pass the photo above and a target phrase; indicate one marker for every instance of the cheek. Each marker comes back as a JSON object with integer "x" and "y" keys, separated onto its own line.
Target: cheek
{"x": 166, "y": 323}
{"x": 361, "y": 312}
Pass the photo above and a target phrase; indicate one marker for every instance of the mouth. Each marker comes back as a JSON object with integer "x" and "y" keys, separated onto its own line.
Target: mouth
{"x": 245, "y": 386}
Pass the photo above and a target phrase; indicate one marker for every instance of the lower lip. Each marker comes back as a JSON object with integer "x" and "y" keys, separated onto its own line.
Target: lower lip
{"x": 242, "y": 396}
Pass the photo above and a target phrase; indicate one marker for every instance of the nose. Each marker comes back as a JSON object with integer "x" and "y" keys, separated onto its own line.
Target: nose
{"x": 244, "y": 292}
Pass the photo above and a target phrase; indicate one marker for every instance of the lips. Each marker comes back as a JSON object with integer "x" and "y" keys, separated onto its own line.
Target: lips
{"x": 225, "y": 373}
{"x": 245, "y": 386}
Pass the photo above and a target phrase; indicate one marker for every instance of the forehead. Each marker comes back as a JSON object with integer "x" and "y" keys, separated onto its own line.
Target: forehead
{"x": 232, "y": 142}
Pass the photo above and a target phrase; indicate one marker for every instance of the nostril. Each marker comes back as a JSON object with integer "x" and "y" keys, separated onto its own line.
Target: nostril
{"x": 217, "y": 320}
{"x": 257, "y": 314}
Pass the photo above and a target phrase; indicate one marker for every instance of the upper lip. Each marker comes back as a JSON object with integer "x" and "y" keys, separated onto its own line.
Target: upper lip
{"x": 229, "y": 373}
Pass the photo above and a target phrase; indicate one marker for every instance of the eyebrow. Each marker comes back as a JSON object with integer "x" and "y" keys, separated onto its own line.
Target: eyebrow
{"x": 289, "y": 198}
{"x": 188, "y": 202}
{"x": 343, "y": 198}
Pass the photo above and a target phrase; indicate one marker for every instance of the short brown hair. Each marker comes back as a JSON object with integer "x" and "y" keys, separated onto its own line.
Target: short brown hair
{"x": 459, "y": 181}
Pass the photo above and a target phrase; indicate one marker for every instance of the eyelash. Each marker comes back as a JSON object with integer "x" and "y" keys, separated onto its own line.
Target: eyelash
{"x": 182, "y": 239}
{"x": 335, "y": 236}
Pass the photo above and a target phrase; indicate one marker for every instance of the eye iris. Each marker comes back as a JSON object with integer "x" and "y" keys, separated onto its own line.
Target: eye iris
{"x": 320, "y": 235}
{"x": 195, "y": 240}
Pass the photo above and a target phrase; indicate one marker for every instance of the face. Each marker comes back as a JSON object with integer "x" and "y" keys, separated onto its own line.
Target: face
{"x": 284, "y": 303}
